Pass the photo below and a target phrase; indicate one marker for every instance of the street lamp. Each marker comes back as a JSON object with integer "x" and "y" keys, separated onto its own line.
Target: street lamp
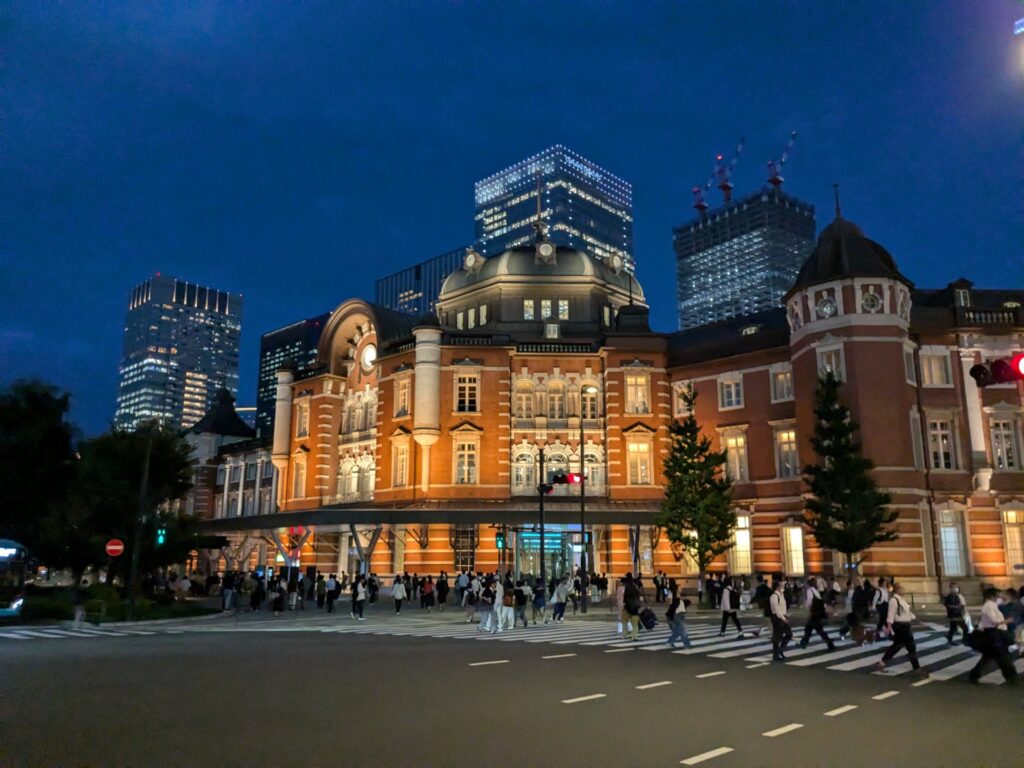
{"x": 585, "y": 389}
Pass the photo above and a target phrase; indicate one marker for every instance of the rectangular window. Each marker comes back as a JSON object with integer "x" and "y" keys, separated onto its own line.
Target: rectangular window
{"x": 483, "y": 314}
{"x": 471, "y": 317}
{"x": 793, "y": 550}
{"x": 466, "y": 388}
{"x": 607, "y": 316}
{"x": 464, "y": 546}
{"x": 556, "y": 404}
{"x": 268, "y": 470}
{"x": 589, "y": 402}
{"x": 935, "y": 371}
{"x": 545, "y": 309}
{"x": 236, "y": 473}
{"x": 915, "y": 439}
{"x": 908, "y": 366}
{"x": 465, "y": 462}
{"x": 299, "y": 479}
{"x": 831, "y": 360}
{"x": 302, "y": 421}
{"x": 637, "y": 400}
{"x": 736, "y": 461}
{"x": 524, "y": 403}
{"x": 787, "y": 464}
{"x": 1005, "y": 453}
{"x": 250, "y": 471}
{"x": 551, "y": 331}
{"x": 679, "y": 390}
{"x": 1013, "y": 523}
{"x": 940, "y": 444}
{"x": 639, "y": 463}
{"x": 951, "y": 536}
{"x": 220, "y": 475}
{"x": 527, "y": 309}
{"x": 401, "y": 398}
{"x": 782, "y": 385}
{"x": 460, "y": 320}
{"x": 399, "y": 466}
{"x": 730, "y": 393}
{"x": 741, "y": 552}
{"x": 563, "y": 309}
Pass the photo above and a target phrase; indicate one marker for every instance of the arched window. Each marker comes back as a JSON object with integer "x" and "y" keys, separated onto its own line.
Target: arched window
{"x": 367, "y": 476}
{"x": 369, "y": 413}
{"x": 556, "y": 401}
{"x": 524, "y": 473}
{"x": 524, "y": 400}
{"x": 594, "y": 470}
{"x": 554, "y": 464}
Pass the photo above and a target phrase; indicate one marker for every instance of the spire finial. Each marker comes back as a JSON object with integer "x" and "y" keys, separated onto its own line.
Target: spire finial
{"x": 839, "y": 211}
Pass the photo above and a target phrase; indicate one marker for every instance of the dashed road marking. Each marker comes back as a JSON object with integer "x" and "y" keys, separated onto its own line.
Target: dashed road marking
{"x": 759, "y": 664}
{"x": 886, "y": 695}
{"x": 706, "y": 756}
{"x": 710, "y": 674}
{"x": 559, "y": 656}
{"x": 578, "y": 699}
{"x": 653, "y": 685}
{"x": 841, "y": 710}
{"x": 783, "y": 730}
{"x": 486, "y": 663}
{"x": 619, "y": 650}
{"x": 919, "y": 683}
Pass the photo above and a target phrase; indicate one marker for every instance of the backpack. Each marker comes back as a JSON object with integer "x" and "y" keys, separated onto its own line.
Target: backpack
{"x": 471, "y": 598}
{"x": 506, "y": 600}
{"x": 817, "y": 606}
{"x": 734, "y": 599}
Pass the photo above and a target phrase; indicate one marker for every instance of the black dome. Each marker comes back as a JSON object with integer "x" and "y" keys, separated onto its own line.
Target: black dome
{"x": 844, "y": 251}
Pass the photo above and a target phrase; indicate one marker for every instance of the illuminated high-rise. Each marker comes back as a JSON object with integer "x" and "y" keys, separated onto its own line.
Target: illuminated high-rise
{"x": 414, "y": 290}
{"x": 584, "y": 206}
{"x": 741, "y": 259}
{"x": 180, "y": 347}
{"x": 296, "y": 345}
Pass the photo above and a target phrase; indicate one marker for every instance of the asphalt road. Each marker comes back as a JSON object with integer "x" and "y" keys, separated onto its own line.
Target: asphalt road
{"x": 326, "y": 699}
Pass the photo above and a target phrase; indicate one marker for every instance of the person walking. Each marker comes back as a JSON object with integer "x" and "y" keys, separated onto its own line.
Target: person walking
{"x": 398, "y": 593}
{"x": 955, "y": 605}
{"x": 358, "y": 597}
{"x": 442, "y": 589}
{"x": 880, "y": 602}
{"x": 486, "y": 608}
{"x": 816, "y": 615}
{"x": 521, "y": 595}
{"x": 730, "y": 604}
{"x": 78, "y": 603}
{"x": 332, "y": 592}
{"x": 631, "y": 603}
{"x": 428, "y": 594}
{"x": 620, "y": 606}
{"x": 781, "y": 633}
{"x": 994, "y": 641}
{"x": 898, "y": 622}
{"x": 321, "y": 591}
{"x": 258, "y": 595}
{"x": 470, "y": 596}
{"x": 279, "y": 598}
{"x": 676, "y": 616}
{"x": 539, "y": 604}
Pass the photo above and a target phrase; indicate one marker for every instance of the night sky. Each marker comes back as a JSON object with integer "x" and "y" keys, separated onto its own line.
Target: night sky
{"x": 295, "y": 152}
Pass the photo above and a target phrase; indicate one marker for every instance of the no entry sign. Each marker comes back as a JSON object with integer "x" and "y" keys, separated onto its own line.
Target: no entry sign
{"x": 115, "y": 547}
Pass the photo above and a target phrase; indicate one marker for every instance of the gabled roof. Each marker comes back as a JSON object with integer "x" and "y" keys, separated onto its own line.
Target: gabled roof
{"x": 222, "y": 419}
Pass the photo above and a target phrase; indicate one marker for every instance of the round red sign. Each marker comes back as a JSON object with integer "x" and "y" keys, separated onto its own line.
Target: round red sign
{"x": 115, "y": 547}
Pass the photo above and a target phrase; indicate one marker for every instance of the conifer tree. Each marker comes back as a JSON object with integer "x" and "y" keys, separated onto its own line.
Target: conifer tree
{"x": 697, "y": 512}
{"x": 847, "y": 512}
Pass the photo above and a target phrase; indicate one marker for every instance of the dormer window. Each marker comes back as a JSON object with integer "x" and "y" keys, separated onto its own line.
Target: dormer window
{"x": 963, "y": 297}
{"x": 551, "y": 330}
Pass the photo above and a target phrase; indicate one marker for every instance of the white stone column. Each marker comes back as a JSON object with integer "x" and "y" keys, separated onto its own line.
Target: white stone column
{"x": 257, "y": 491}
{"x": 972, "y": 401}
{"x": 241, "y": 488}
{"x": 282, "y": 429}
{"x": 224, "y": 492}
{"x": 274, "y": 506}
{"x": 426, "y": 417}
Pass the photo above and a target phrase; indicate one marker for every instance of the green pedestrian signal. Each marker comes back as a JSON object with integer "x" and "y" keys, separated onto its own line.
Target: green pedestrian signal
{"x": 161, "y": 536}
{"x": 499, "y": 540}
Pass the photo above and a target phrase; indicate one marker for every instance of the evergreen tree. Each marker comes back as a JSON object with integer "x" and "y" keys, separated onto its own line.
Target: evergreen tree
{"x": 697, "y": 512}
{"x": 847, "y": 513}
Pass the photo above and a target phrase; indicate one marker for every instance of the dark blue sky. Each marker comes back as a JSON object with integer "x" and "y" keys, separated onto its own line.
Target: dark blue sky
{"x": 296, "y": 152}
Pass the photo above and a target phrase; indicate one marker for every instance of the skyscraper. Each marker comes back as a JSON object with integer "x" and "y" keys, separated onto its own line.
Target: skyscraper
{"x": 584, "y": 206}
{"x": 414, "y": 290}
{"x": 180, "y": 347}
{"x": 295, "y": 343}
{"x": 741, "y": 258}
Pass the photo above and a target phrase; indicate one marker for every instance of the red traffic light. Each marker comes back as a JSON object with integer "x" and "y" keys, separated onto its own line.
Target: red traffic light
{"x": 1003, "y": 371}
{"x": 574, "y": 478}
{"x": 1017, "y": 364}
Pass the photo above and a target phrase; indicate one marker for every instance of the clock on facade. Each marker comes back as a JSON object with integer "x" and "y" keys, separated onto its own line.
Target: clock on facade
{"x": 368, "y": 357}
{"x": 545, "y": 249}
{"x": 826, "y": 307}
{"x": 871, "y": 302}
{"x": 616, "y": 262}
{"x": 472, "y": 260}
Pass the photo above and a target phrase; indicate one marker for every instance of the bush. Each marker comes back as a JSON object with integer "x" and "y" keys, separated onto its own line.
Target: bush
{"x": 39, "y": 608}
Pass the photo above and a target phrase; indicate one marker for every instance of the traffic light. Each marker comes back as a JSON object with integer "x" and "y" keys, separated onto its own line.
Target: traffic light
{"x": 161, "y": 536}
{"x": 499, "y": 540}
{"x": 566, "y": 478}
{"x": 1002, "y": 371}
{"x": 545, "y": 488}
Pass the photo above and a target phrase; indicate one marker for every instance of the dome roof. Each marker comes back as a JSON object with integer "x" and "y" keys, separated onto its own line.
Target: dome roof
{"x": 522, "y": 262}
{"x": 843, "y": 250}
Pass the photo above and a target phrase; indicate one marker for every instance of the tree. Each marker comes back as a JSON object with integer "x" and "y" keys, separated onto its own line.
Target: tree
{"x": 846, "y": 513}
{"x": 37, "y": 458}
{"x": 697, "y": 512}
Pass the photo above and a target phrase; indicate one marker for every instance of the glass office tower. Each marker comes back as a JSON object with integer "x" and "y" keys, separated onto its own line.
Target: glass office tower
{"x": 741, "y": 258}
{"x": 584, "y": 206}
{"x": 296, "y": 344}
{"x": 414, "y": 290}
{"x": 180, "y": 347}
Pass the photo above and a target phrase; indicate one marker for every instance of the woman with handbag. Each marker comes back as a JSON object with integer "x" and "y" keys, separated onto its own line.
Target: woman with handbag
{"x": 676, "y": 615}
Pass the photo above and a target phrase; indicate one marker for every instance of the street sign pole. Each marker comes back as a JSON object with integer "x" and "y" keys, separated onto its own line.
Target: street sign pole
{"x": 540, "y": 489}
{"x": 140, "y": 519}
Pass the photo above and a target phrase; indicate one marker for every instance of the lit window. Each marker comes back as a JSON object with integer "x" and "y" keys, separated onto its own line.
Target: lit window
{"x": 524, "y": 401}
{"x": 940, "y": 445}
{"x": 522, "y": 473}
{"x": 399, "y": 466}
{"x": 460, "y": 320}
{"x": 471, "y": 317}
{"x": 556, "y": 402}
{"x": 730, "y": 392}
{"x": 1005, "y": 447}
{"x": 465, "y": 462}
{"x": 466, "y": 389}
{"x": 588, "y": 401}
{"x": 527, "y": 309}
{"x": 302, "y": 421}
{"x": 741, "y": 553}
{"x": 793, "y": 550}
{"x": 787, "y": 464}
{"x": 736, "y": 457}
{"x": 607, "y": 316}
{"x": 551, "y": 331}
{"x": 908, "y": 366}
{"x": 299, "y": 478}
{"x": 951, "y": 537}
{"x": 679, "y": 390}
{"x": 935, "y": 371}
{"x": 915, "y": 439}
{"x": 639, "y": 463}
{"x": 402, "y": 397}
{"x": 782, "y": 385}
{"x": 545, "y": 309}
{"x": 563, "y": 309}
{"x": 831, "y": 361}
{"x": 1013, "y": 523}
{"x": 483, "y": 314}
{"x": 637, "y": 400}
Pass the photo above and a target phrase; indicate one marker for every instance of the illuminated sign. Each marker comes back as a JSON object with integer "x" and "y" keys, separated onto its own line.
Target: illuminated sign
{"x": 1018, "y": 27}
{"x": 8, "y": 551}
{"x": 588, "y": 172}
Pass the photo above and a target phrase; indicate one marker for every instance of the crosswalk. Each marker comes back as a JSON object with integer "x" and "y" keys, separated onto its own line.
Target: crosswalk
{"x": 942, "y": 661}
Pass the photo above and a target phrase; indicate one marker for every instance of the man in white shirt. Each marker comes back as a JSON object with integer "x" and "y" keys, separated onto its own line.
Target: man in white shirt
{"x": 730, "y": 602}
{"x": 816, "y": 615}
{"x": 898, "y": 620}
{"x": 781, "y": 633}
{"x": 995, "y": 642}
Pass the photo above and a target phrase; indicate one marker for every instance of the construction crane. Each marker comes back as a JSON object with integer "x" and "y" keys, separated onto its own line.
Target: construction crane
{"x": 723, "y": 171}
{"x": 775, "y": 166}
{"x": 698, "y": 195}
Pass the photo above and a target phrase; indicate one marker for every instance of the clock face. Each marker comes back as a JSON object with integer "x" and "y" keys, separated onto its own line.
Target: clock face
{"x": 871, "y": 302}
{"x": 368, "y": 357}
{"x": 546, "y": 249}
{"x": 470, "y": 261}
{"x": 616, "y": 262}
{"x": 826, "y": 307}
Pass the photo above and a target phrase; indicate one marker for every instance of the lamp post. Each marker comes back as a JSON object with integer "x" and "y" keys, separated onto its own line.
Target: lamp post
{"x": 542, "y": 489}
{"x": 586, "y": 389}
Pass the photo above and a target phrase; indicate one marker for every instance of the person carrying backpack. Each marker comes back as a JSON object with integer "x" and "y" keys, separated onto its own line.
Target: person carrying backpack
{"x": 816, "y": 618}
{"x": 955, "y": 605}
{"x": 631, "y": 606}
{"x": 730, "y": 604}
{"x": 899, "y": 619}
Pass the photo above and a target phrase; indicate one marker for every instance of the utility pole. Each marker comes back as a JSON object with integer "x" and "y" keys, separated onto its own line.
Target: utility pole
{"x": 140, "y": 520}
{"x": 542, "y": 492}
